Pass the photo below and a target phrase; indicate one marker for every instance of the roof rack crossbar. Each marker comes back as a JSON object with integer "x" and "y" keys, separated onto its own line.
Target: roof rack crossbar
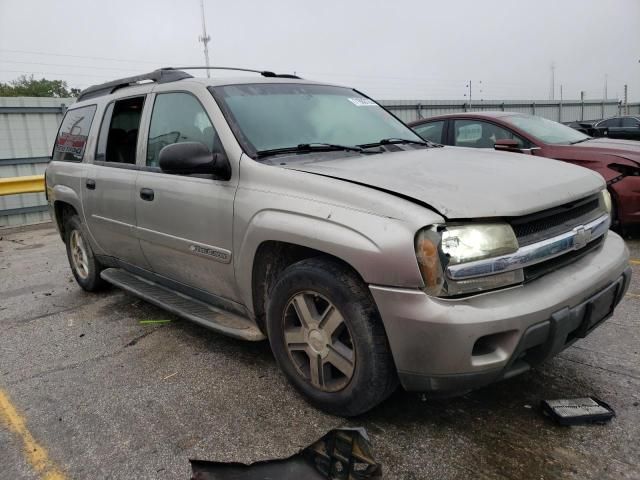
{"x": 162, "y": 75}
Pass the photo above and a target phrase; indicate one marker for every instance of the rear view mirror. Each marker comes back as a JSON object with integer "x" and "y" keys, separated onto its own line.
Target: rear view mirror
{"x": 507, "y": 145}
{"x": 193, "y": 157}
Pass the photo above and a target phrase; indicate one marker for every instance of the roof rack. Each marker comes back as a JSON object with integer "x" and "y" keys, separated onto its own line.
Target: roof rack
{"x": 163, "y": 75}
{"x": 264, "y": 73}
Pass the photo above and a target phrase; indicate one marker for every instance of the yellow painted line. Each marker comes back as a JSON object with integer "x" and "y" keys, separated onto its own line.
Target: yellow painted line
{"x": 632, "y": 295}
{"x": 34, "y": 453}
{"x": 634, "y": 262}
{"x": 26, "y": 184}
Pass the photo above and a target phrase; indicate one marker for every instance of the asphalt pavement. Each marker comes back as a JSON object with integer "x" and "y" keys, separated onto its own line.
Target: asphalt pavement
{"x": 107, "y": 386}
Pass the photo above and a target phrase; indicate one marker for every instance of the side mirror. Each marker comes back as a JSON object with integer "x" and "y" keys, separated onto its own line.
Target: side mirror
{"x": 193, "y": 157}
{"x": 507, "y": 145}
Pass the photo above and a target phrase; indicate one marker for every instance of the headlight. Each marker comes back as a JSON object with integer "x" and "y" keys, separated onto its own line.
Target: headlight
{"x": 443, "y": 245}
{"x": 606, "y": 200}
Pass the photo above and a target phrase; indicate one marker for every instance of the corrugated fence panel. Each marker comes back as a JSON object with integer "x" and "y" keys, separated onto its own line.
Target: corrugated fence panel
{"x": 569, "y": 111}
{"x": 28, "y": 127}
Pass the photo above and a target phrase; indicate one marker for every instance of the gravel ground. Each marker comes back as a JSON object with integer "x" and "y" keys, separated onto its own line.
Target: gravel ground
{"x": 109, "y": 397}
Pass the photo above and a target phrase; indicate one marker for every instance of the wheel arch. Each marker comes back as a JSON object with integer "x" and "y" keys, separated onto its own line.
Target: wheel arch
{"x": 271, "y": 258}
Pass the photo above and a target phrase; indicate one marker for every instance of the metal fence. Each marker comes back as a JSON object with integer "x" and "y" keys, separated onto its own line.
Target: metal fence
{"x": 28, "y": 127}
{"x": 27, "y": 130}
{"x": 560, "y": 111}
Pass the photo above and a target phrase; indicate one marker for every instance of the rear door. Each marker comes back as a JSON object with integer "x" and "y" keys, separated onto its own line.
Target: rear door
{"x": 185, "y": 221}
{"x": 109, "y": 185}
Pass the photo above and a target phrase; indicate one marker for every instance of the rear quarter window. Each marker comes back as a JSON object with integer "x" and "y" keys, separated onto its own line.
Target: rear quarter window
{"x": 73, "y": 134}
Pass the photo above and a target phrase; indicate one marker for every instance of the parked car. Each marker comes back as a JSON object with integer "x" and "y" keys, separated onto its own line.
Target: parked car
{"x": 274, "y": 207}
{"x": 626, "y": 127}
{"x": 618, "y": 161}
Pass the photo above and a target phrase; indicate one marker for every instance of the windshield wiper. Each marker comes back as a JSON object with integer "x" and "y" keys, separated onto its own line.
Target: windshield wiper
{"x": 580, "y": 141}
{"x": 396, "y": 141}
{"x": 308, "y": 148}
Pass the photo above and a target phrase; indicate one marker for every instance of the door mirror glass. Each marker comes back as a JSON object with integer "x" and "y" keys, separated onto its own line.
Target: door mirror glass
{"x": 187, "y": 158}
{"x": 507, "y": 144}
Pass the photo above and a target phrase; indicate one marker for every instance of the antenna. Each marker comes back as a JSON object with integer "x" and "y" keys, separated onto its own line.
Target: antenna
{"x": 204, "y": 38}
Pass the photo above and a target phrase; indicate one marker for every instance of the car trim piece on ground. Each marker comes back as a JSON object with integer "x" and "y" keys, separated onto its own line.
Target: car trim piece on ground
{"x": 534, "y": 253}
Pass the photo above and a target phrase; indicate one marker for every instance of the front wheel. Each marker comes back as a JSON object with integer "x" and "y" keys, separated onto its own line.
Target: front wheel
{"x": 327, "y": 337}
{"x": 84, "y": 265}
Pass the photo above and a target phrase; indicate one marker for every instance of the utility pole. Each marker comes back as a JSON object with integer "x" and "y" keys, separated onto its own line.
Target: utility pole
{"x": 560, "y": 105}
{"x": 606, "y": 78}
{"x": 469, "y": 86}
{"x": 552, "y": 91}
{"x": 626, "y": 99}
{"x": 204, "y": 38}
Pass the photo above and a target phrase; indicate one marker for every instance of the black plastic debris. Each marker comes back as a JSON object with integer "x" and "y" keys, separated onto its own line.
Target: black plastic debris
{"x": 577, "y": 411}
{"x": 342, "y": 454}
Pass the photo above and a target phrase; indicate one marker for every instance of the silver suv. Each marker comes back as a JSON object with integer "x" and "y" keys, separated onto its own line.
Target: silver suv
{"x": 306, "y": 214}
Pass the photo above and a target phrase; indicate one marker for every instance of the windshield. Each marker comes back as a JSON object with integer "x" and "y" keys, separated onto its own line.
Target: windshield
{"x": 273, "y": 116}
{"x": 545, "y": 130}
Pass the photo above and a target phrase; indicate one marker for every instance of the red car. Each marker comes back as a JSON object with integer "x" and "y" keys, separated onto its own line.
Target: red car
{"x": 618, "y": 161}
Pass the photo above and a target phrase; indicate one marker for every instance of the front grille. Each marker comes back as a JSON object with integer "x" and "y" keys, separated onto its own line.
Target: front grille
{"x": 555, "y": 221}
{"x": 540, "y": 269}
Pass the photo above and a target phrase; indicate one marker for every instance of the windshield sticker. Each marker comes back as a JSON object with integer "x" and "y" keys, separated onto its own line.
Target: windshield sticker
{"x": 363, "y": 102}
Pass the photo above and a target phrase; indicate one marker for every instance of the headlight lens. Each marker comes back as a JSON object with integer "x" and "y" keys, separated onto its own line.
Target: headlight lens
{"x": 606, "y": 200}
{"x": 443, "y": 245}
{"x": 465, "y": 243}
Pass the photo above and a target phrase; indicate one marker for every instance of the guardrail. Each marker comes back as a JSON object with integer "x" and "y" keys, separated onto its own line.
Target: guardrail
{"x": 18, "y": 185}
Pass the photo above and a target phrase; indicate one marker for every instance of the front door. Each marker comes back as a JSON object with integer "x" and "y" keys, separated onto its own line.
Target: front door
{"x": 185, "y": 222}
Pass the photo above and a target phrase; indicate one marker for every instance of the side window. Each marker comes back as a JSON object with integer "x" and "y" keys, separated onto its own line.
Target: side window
{"x": 479, "y": 134}
{"x": 612, "y": 122}
{"x": 179, "y": 117}
{"x": 72, "y": 136}
{"x": 119, "y": 131}
{"x": 630, "y": 122}
{"x": 431, "y": 131}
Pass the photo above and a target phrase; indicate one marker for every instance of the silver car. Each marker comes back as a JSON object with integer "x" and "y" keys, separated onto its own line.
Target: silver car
{"x": 270, "y": 207}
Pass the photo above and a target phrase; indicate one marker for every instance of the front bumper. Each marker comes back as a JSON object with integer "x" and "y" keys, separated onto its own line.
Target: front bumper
{"x": 454, "y": 345}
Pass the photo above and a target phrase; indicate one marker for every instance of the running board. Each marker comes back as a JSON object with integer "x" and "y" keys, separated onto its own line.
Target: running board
{"x": 184, "y": 306}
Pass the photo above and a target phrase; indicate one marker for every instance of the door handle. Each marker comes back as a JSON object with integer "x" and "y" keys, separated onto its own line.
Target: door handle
{"x": 146, "y": 194}
{"x": 91, "y": 184}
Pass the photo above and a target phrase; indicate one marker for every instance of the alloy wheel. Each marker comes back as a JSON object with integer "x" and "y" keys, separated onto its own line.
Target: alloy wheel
{"x": 319, "y": 342}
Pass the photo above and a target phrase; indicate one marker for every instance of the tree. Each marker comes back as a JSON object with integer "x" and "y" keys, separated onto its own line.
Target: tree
{"x": 25, "y": 86}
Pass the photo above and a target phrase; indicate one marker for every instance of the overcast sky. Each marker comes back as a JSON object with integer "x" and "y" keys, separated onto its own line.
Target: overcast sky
{"x": 402, "y": 49}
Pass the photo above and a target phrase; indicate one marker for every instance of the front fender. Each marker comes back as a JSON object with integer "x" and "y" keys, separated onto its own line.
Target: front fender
{"x": 379, "y": 248}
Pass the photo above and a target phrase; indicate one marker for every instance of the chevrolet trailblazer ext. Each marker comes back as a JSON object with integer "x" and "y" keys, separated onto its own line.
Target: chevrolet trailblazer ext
{"x": 273, "y": 207}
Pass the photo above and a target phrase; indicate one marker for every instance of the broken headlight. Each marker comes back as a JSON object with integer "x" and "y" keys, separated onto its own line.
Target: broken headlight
{"x": 439, "y": 246}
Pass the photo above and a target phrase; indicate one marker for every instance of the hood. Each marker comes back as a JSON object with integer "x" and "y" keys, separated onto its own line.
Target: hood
{"x": 464, "y": 182}
{"x": 629, "y": 149}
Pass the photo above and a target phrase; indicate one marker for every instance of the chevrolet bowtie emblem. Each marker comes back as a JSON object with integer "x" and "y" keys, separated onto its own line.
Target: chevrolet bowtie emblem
{"x": 581, "y": 237}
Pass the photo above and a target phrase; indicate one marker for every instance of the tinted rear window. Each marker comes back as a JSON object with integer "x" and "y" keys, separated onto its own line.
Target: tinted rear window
{"x": 73, "y": 134}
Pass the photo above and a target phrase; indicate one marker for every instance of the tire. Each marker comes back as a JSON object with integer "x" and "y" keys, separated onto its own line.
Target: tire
{"x": 335, "y": 349}
{"x": 84, "y": 265}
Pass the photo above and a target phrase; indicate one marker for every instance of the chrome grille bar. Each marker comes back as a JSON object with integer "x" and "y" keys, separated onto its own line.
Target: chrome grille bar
{"x": 532, "y": 254}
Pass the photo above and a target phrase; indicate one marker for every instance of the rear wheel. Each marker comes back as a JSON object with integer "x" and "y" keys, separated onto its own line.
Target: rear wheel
{"x": 85, "y": 267}
{"x": 327, "y": 336}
